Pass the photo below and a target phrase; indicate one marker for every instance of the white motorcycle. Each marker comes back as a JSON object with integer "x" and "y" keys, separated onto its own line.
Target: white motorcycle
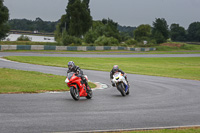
{"x": 121, "y": 83}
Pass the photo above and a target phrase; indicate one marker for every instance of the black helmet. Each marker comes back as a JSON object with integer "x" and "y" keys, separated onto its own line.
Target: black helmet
{"x": 115, "y": 68}
{"x": 71, "y": 65}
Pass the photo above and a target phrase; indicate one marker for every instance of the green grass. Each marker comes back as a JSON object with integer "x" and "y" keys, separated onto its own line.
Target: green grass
{"x": 179, "y": 130}
{"x": 176, "y": 67}
{"x": 17, "y": 81}
{"x": 185, "y": 47}
{"x": 107, "y": 52}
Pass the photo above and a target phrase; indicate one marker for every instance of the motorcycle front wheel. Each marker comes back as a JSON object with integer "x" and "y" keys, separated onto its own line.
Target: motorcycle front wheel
{"x": 74, "y": 93}
{"x": 127, "y": 93}
{"x": 89, "y": 94}
{"x": 121, "y": 88}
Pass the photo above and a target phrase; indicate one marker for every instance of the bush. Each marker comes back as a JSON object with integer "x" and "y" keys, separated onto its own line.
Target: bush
{"x": 153, "y": 42}
{"x": 23, "y": 38}
{"x": 123, "y": 45}
{"x": 67, "y": 40}
{"x": 106, "y": 41}
{"x": 131, "y": 42}
{"x": 90, "y": 36}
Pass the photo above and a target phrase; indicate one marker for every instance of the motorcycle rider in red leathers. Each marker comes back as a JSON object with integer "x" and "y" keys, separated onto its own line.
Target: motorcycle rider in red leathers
{"x": 76, "y": 69}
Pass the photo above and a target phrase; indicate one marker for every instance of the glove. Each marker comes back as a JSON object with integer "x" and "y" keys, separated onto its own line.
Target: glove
{"x": 125, "y": 75}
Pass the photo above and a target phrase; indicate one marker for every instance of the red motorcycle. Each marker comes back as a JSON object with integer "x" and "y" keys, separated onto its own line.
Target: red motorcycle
{"x": 77, "y": 88}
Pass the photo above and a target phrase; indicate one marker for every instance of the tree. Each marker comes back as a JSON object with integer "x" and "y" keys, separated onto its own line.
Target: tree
{"x": 39, "y": 24}
{"x": 160, "y": 29}
{"x": 143, "y": 32}
{"x": 124, "y": 36}
{"x": 110, "y": 29}
{"x": 126, "y": 29}
{"x": 4, "y": 15}
{"x": 65, "y": 20}
{"x": 159, "y": 37}
{"x": 106, "y": 27}
{"x": 77, "y": 20}
{"x": 194, "y": 31}
{"x": 177, "y": 33}
{"x": 80, "y": 21}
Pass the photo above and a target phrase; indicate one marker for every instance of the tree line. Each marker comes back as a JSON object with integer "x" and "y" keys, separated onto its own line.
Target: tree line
{"x": 76, "y": 27}
{"x": 49, "y": 27}
{"x": 160, "y": 32}
{"x": 32, "y": 25}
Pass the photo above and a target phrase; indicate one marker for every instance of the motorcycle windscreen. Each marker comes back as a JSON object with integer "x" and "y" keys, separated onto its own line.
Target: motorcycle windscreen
{"x": 116, "y": 75}
{"x": 69, "y": 75}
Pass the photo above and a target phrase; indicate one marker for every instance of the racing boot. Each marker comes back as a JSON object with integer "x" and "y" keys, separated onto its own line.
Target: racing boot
{"x": 113, "y": 84}
{"x": 86, "y": 84}
{"x": 127, "y": 81}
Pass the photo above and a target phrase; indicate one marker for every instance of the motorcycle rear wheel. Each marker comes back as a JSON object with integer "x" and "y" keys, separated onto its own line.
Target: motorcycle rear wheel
{"x": 74, "y": 93}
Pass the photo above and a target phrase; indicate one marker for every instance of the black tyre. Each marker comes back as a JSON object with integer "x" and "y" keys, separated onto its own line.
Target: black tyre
{"x": 75, "y": 93}
{"x": 121, "y": 89}
{"x": 127, "y": 93}
{"x": 89, "y": 96}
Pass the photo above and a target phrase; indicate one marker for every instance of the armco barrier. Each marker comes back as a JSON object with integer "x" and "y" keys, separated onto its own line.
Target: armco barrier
{"x": 91, "y": 48}
{"x": 8, "y": 47}
{"x": 37, "y": 47}
{"x": 107, "y": 48}
{"x": 70, "y": 48}
{"x": 47, "y": 47}
{"x": 99, "y": 47}
{"x": 61, "y": 47}
{"x": 23, "y": 47}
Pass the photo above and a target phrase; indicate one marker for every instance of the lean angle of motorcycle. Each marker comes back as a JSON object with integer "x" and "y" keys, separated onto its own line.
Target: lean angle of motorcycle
{"x": 77, "y": 88}
{"x": 121, "y": 83}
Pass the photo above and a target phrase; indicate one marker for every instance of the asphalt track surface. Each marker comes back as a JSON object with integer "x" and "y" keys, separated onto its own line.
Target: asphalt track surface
{"x": 153, "y": 102}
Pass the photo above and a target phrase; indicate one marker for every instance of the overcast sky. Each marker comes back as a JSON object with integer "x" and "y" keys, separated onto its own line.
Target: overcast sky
{"x": 125, "y": 12}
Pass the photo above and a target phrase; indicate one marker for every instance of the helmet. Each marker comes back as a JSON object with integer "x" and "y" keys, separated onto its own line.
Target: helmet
{"x": 115, "y": 68}
{"x": 71, "y": 65}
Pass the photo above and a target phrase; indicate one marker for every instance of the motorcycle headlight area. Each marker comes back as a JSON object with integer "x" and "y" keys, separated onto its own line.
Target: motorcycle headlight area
{"x": 66, "y": 81}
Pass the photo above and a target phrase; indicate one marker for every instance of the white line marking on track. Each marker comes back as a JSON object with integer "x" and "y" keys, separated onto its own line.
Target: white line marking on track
{"x": 2, "y": 59}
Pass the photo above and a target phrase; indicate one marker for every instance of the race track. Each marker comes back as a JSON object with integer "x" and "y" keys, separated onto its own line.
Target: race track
{"x": 153, "y": 102}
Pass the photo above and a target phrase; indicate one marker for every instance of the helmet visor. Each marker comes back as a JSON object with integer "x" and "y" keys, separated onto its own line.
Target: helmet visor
{"x": 115, "y": 70}
{"x": 69, "y": 66}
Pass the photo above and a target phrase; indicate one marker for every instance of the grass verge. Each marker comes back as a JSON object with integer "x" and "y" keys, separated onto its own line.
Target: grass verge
{"x": 183, "y": 47}
{"x": 175, "y": 67}
{"x": 17, "y": 81}
{"x": 178, "y": 130}
{"x": 107, "y": 52}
